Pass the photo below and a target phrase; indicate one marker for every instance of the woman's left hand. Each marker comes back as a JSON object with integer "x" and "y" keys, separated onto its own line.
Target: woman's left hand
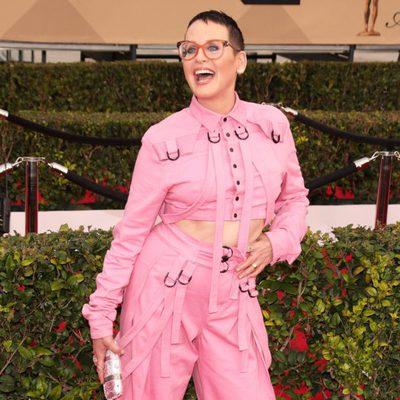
{"x": 260, "y": 255}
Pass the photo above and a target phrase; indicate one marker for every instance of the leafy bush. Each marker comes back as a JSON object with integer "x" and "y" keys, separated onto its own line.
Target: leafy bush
{"x": 160, "y": 86}
{"x": 332, "y": 317}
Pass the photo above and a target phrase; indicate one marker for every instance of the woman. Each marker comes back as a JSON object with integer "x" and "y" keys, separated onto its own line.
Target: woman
{"x": 217, "y": 173}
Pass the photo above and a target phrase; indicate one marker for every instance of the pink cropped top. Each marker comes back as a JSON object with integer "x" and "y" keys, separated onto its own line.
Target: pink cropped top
{"x": 233, "y": 175}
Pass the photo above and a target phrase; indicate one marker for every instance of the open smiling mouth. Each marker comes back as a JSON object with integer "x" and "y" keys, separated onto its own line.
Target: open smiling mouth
{"x": 204, "y": 75}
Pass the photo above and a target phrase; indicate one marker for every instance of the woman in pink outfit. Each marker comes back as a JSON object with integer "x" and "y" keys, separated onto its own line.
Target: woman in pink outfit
{"x": 217, "y": 173}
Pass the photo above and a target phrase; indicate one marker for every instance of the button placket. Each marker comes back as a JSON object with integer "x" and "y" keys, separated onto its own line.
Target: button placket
{"x": 236, "y": 166}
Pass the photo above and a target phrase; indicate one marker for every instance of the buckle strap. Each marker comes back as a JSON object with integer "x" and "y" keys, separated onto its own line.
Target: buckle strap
{"x": 219, "y": 225}
{"x": 187, "y": 274}
{"x": 163, "y": 321}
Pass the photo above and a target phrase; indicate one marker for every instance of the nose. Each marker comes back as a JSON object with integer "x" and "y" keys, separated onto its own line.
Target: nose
{"x": 201, "y": 55}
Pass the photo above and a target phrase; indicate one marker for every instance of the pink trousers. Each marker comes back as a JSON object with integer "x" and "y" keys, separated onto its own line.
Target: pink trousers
{"x": 169, "y": 335}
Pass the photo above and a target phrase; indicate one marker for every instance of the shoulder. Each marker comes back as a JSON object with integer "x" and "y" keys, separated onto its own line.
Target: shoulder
{"x": 272, "y": 121}
{"x": 261, "y": 112}
{"x": 175, "y": 125}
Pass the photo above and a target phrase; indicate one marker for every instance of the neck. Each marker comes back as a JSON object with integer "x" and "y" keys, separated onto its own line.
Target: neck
{"x": 219, "y": 106}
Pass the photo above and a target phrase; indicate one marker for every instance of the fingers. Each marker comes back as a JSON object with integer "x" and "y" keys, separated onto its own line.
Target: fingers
{"x": 111, "y": 344}
{"x": 250, "y": 268}
{"x": 100, "y": 346}
{"x": 100, "y": 370}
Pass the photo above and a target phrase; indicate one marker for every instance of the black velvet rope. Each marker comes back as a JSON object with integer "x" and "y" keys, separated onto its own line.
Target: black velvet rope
{"x": 122, "y": 197}
{"x": 331, "y": 177}
{"x": 377, "y": 141}
{"x": 72, "y": 137}
{"x": 95, "y": 187}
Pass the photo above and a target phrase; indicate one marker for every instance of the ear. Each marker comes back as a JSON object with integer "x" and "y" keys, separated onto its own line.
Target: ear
{"x": 241, "y": 62}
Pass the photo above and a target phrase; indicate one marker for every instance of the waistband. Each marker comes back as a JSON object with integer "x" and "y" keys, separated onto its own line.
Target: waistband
{"x": 194, "y": 249}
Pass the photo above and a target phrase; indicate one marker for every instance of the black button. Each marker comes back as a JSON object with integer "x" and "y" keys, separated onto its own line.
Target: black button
{"x": 237, "y": 198}
{"x": 228, "y": 134}
{"x": 234, "y": 166}
{"x": 238, "y": 182}
{"x": 225, "y": 119}
{"x": 235, "y": 215}
{"x": 231, "y": 149}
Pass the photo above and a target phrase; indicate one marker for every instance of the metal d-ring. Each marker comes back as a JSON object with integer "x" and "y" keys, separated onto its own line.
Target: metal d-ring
{"x": 225, "y": 258}
{"x": 213, "y": 141}
{"x": 255, "y": 291}
{"x": 230, "y": 251}
{"x": 176, "y": 280}
{"x": 273, "y": 137}
{"x": 242, "y": 138}
{"x": 173, "y": 159}
{"x": 226, "y": 268}
{"x": 184, "y": 283}
{"x": 244, "y": 290}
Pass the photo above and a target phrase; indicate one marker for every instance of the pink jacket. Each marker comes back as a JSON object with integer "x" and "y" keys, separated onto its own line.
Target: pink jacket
{"x": 180, "y": 173}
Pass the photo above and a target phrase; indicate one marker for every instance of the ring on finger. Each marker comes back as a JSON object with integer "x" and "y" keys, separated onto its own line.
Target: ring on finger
{"x": 254, "y": 265}
{"x": 95, "y": 360}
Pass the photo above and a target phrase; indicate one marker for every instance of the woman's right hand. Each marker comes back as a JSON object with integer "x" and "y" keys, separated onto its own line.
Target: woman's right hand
{"x": 100, "y": 346}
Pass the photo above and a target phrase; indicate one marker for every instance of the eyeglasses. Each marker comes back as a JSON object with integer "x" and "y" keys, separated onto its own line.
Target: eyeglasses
{"x": 212, "y": 49}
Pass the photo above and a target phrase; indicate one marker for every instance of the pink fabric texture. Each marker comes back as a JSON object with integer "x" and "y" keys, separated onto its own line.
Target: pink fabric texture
{"x": 185, "y": 170}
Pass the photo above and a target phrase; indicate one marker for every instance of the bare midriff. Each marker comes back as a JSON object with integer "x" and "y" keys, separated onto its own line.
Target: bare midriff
{"x": 204, "y": 230}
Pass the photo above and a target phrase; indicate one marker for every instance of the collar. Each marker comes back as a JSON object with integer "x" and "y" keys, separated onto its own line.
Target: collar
{"x": 211, "y": 119}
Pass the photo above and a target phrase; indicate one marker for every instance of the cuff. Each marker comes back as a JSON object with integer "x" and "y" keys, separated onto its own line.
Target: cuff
{"x": 100, "y": 326}
{"x": 278, "y": 239}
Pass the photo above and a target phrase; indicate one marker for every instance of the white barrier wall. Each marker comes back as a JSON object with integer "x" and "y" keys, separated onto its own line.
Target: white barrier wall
{"x": 321, "y": 218}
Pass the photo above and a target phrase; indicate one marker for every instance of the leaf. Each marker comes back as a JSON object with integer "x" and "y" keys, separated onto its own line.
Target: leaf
{"x": 55, "y": 393}
{"x": 46, "y": 361}
{"x": 319, "y": 306}
{"x": 7, "y": 384}
{"x": 371, "y": 291}
{"x": 25, "y": 353}
{"x": 42, "y": 351}
{"x": 57, "y": 285}
{"x": 75, "y": 279}
{"x": 7, "y": 345}
{"x": 28, "y": 271}
{"x": 358, "y": 270}
{"x": 64, "y": 228}
{"x": 386, "y": 303}
{"x": 337, "y": 302}
{"x": 27, "y": 261}
{"x": 10, "y": 264}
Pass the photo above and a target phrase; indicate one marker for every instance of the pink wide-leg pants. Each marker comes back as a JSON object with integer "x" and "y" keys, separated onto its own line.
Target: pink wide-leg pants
{"x": 169, "y": 335}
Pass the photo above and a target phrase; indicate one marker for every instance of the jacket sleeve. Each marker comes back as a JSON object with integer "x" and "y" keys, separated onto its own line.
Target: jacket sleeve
{"x": 146, "y": 195}
{"x": 289, "y": 224}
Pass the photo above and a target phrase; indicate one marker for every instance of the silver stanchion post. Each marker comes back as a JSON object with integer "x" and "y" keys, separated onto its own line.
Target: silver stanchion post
{"x": 385, "y": 175}
{"x": 31, "y": 193}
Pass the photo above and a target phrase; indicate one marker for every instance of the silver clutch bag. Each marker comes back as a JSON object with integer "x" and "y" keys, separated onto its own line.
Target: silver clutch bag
{"x": 112, "y": 376}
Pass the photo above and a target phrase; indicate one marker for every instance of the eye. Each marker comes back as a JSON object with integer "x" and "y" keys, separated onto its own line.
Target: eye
{"x": 190, "y": 49}
{"x": 213, "y": 47}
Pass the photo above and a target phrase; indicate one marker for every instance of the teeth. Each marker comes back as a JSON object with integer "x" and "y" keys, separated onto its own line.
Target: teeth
{"x": 204, "y": 71}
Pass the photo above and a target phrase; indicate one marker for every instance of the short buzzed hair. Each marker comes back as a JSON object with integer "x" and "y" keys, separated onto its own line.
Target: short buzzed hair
{"x": 219, "y": 17}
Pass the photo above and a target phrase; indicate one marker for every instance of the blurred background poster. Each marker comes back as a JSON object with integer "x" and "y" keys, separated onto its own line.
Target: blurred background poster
{"x": 155, "y": 22}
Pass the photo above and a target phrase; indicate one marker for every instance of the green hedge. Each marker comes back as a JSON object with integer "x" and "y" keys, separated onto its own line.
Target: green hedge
{"x": 160, "y": 86}
{"x": 318, "y": 153}
{"x": 332, "y": 317}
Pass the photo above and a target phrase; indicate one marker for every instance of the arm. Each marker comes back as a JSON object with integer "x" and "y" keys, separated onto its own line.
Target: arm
{"x": 289, "y": 225}
{"x": 146, "y": 195}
